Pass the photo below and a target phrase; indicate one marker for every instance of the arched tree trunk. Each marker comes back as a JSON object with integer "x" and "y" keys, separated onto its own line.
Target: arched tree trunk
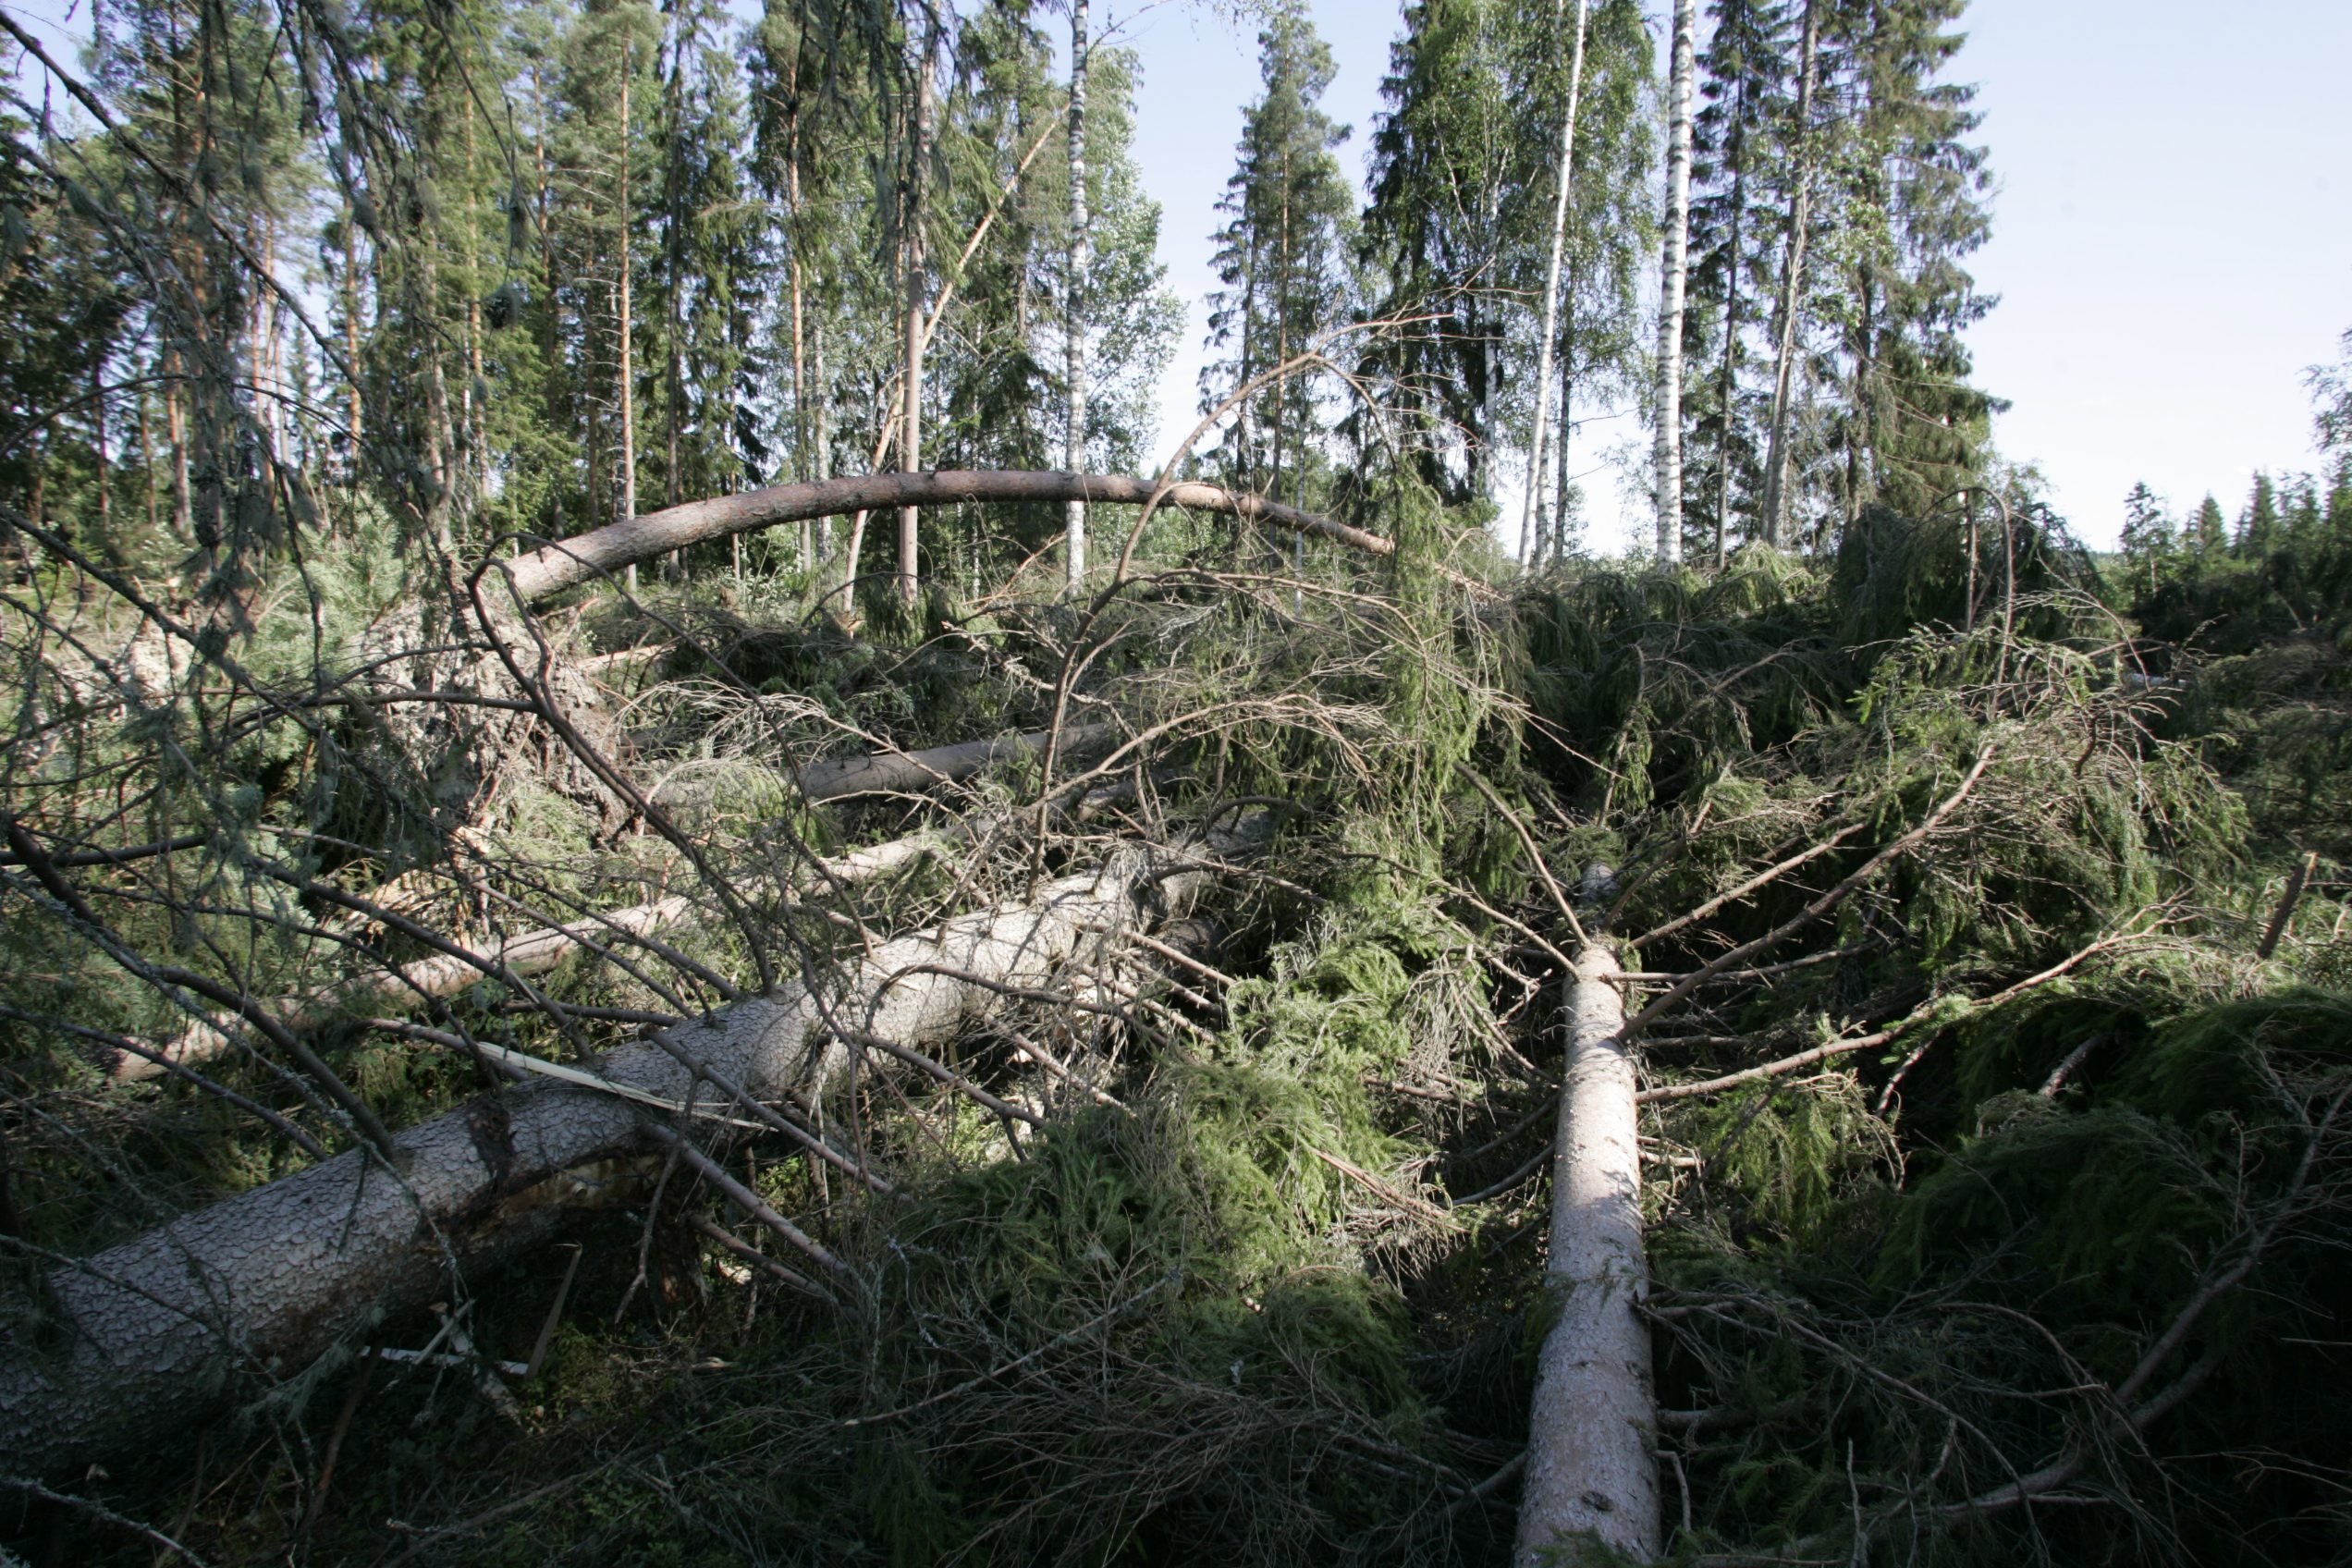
{"x": 568, "y": 562}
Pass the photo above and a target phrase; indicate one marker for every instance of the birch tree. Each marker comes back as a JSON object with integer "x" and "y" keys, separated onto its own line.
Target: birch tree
{"x": 1672, "y": 270}
{"x": 1530, "y": 517}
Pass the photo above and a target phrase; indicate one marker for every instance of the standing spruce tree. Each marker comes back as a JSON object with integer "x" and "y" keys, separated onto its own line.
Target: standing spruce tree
{"x": 608, "y": 92}
{"x": 1281, "y": 259}
{"x": 2147, "y": 535}
{"x": 1744, "y": 76}
{"x": 713, "y": 259}
{"x": 1448, "y": 152}
{"x": 1911, "y": 431}
{"x": 2260, "y": 532}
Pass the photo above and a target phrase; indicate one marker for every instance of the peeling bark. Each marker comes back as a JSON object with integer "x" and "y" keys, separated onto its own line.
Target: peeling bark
{"x": 1591, "y": 1469}
{"x": 225, "y": 1304}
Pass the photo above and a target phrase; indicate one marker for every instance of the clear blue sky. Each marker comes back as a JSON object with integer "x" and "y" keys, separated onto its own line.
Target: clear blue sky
{"x": 2172, "y": 240}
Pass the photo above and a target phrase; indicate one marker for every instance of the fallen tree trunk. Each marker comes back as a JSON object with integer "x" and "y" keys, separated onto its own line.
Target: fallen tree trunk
{"x": 225, "y": 1302}
{"x": 570, "y": 562}
{"x": 397, "y": 991}
{"x": 1591, "y": 1469}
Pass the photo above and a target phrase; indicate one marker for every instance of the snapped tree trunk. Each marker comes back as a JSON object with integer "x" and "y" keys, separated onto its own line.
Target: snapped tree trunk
{"x": 1591, "y": 1435}
{"x": 554, "y": 568}
{"x": 224, "y": 1304}
{"x": 1673, "y": 272}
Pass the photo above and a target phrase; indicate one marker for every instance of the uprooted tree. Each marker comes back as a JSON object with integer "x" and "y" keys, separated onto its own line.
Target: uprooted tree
{"x": 633, "y": 1041}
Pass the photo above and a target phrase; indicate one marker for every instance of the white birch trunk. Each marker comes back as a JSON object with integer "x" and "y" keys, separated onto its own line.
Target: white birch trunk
{"x": 1673, "y": 272}
{"x": 1531, "y": 515}
{"x": 1591, "y": 1435}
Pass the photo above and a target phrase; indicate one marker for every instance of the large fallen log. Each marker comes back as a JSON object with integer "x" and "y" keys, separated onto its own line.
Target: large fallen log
{"x": 1592, "y": 1431}
{"x": 568, "y": 562}
{"x": 224, "y": 1304}
{"x": 399, "y": 990}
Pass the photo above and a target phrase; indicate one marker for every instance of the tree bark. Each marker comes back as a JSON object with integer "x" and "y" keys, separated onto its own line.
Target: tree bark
{"x": 187, "y": 1319}
{"x": 1673, "y": 274}
{"x": 628, "y": 360}
{"x": 1591, "y": 1468}
{"x": 1776, "y": 461}
{"x": 554, "y": 568}
{"x": 917, "y": 335}
{"x": 1074, "y": 452}
{"x": 1531, "y": 528}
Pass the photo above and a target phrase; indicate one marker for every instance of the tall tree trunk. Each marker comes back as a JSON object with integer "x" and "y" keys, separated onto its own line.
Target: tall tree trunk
{"x": 147, "y": 463}
{"x": 98, "y": 449}
{"x": 1727, "y": 382}
{"x": 1591, "y": 1434}
{"x": 1531, "y": 517}
{"x": 477, "y": 383}
{"x": 176, "y": 426}
{"x": 1073, "y": 456}
{"x": 911, "y": 391}
{"x": 622, "y": 298}
{"x": 673, "y": 250}
{"x": 1792, "y": 300}
{"x": 1567, "y": 430}
{"x": 1672, "y": 275}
